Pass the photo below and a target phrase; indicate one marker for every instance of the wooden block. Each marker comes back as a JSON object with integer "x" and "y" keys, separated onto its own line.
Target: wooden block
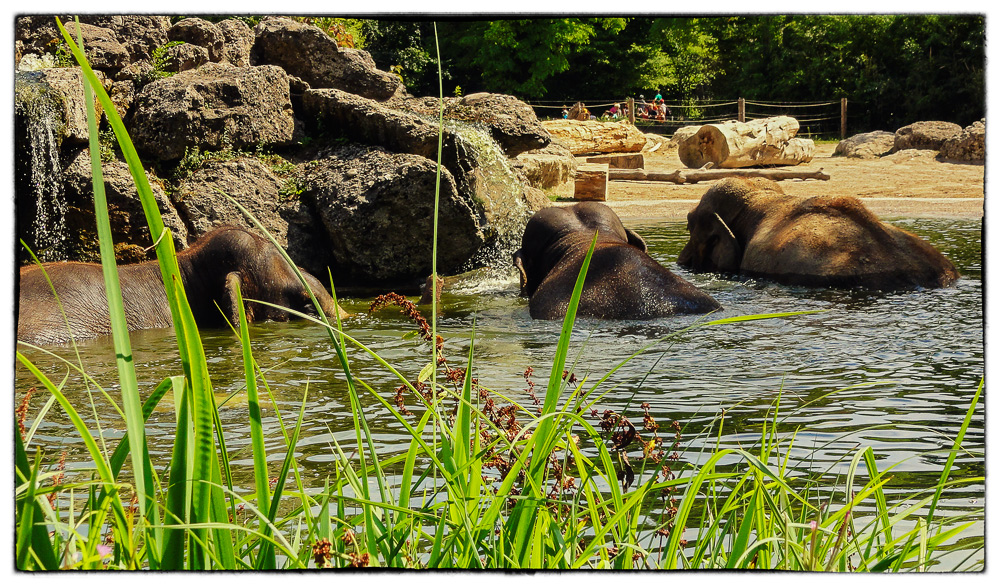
{"x": 591, "y": 182}
{"x": 620, "y": 160}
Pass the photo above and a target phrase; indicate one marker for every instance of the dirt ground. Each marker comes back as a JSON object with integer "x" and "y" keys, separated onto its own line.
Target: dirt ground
{"x": 904, "y": 184}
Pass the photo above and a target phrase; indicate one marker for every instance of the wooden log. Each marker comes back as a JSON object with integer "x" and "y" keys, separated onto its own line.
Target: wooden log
{"x": 591, "y": 182}
{"x": 620, "y": 160}
{"x": 696, "y": 175}
{"x": 593, "y": 136}
{"x": 733, "y": 144}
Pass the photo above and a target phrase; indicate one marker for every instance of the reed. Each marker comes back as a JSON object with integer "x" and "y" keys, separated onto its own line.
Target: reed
{"x": 480, "y": 487}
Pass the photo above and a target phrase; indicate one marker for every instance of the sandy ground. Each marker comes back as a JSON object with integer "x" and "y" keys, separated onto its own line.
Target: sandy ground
{"x": 905, "y": 184}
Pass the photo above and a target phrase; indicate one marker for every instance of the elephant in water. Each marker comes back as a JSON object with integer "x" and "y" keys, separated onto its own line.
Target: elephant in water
{"x": 210, "y": 269}
{"x": 749, "y": 226}
{"x": 623, "y": 281}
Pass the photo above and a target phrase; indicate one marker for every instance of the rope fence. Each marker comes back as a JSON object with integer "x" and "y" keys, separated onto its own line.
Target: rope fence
{"x": 822, "y": 119}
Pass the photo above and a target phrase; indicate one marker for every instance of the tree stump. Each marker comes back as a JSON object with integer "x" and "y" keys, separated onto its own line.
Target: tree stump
{"x": 620, "y": 160}
{"x": 591, "y": 182}
{"x": 730, "y": 145}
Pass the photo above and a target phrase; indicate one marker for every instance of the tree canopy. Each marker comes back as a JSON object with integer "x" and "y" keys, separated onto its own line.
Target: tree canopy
{"x": 894, "y": 69}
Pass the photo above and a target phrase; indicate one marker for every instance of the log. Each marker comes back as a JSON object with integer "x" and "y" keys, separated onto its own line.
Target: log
{"x": 592, "y": 136}
{"x": 620, "y": 160}
{"x": 591, "y": 182}
{"x": 733, "y": 144}
{"x": 696, "y": 175}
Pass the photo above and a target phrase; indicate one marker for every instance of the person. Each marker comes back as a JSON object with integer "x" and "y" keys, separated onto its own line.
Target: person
{"x": 614, "y": 111}
{"x": 658, "y": 97}
{"x": 565, "y": 112}
{"x": 663, "y": 110}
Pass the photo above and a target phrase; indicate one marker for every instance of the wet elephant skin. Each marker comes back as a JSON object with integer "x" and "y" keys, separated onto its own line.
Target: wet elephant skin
{"x": 749, "y": 226}
{"x": 623, "y": 282}
{"x": 209, "y": 269}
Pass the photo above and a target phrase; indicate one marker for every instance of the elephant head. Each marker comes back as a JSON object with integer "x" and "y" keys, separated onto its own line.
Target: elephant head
{"x": 723, "y": 222}
{"x": 623, "y": 281}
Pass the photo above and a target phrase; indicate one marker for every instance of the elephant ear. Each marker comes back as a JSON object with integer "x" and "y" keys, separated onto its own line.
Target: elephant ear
{"x": 635, "y": 240}
{"x": 230, "y": 303}
{"x": 519, "y": 264}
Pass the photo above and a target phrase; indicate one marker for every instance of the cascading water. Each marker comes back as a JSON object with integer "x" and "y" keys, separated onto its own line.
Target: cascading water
{"x": 492, "y": 181}
{"x": 39, "y": 115}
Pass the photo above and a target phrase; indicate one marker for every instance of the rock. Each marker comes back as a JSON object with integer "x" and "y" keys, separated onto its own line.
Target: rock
{"x": 925, "y": 135}
{"x": 238, "y": 39}
{"x": 40, "y": 35}
{"x": 199, "y": 32}
{"x": 213, "y": 107}
{"x": 306, "y": 52}
{"x": 128, "y": 221}
{"x": 968, "y": 145}
{"x": 591, "y": 136}
{"x": 511, "y": 122}
{"x": 545, "y": 168}
{"x": 869, "y": 145}
{"x": 376, "y": 209}
{"x": 139, "y": 34}
{"x": 201, "y": 197}
{"x": 58, "y": 91}
{"x": 185, "y": 56}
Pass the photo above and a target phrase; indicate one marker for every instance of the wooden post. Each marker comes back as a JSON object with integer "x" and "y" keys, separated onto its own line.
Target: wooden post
{"x": 631, "y": 110}
{"x": 843, "y": 118}
{"x": 741, "y": 110}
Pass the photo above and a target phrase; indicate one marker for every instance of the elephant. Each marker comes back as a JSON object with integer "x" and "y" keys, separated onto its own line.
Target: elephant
{"x": 210, "y": 270}
{"x": 623, "y": 282}
{"x": 751, "y": 227}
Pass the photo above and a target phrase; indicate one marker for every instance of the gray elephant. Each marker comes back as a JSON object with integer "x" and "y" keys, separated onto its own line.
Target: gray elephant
{"x": 623, "y": 281}
{"x": 210, "y": 269}
{"x": 749, "y": 226}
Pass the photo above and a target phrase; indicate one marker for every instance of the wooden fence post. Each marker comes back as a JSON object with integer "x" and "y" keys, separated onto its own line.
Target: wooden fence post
{"x": 741, "y": 110}
{"x": 843, "y": 118}
{"x": 631, "y": 110}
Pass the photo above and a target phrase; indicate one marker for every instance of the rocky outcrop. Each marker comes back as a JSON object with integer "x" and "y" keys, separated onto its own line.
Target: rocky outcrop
{"x": 925, "y": 135}
{"x": 329, "y": 153}
{"x": 61, "y": 90}
{"x": 511, "y": 122}
{"x": 213, "y": 107}
{"x": 969, "y": 145}
{"x": 308, "y": 53}
{"x": 869, "y": 145}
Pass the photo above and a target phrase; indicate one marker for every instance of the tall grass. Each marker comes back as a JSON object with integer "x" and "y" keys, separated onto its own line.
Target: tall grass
{"x": 479, "y": 486}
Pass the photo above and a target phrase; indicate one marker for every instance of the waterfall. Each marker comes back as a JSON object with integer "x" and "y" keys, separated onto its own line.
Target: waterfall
{"x": 500, "y": 193}
{"x": 43, "y": 118}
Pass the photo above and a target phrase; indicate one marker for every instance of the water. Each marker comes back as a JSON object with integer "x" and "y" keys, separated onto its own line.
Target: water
{"x": 892, "y": 371}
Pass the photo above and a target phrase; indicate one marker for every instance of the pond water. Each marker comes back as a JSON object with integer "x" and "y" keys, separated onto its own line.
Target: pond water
{"x": 892, "y": 371}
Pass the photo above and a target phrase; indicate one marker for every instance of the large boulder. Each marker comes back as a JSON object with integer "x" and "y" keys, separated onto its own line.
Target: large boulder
{"x": 377, "y": 208}
{"x": 40, "y": 35}
{"x": 511, "y": 122}
{"x": 129, "y": 229}
{"x": 306, "y": 52}
{"x": 869, "y": 145}
{"x": 238, "y": 41}
{"x": 929, "y": 134}
{"x": 201, "y": 199}
{"x": 968, "y": 145}
{"x": 139, "y": 34}
{"x": 592, "y": 136}
{"x": 213, "y": 107}
{"x": 199, "y": 32}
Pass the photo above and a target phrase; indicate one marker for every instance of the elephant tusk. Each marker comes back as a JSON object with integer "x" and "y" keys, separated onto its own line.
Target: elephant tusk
{"x": 724, "y": 225}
